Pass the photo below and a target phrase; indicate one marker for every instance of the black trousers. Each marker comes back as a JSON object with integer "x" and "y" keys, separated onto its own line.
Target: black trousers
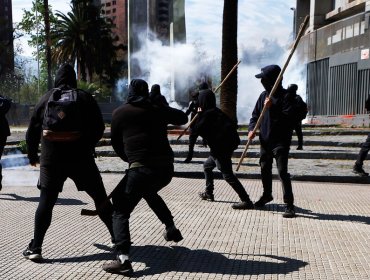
{"x": 281, "y": 155}
{"x": 365, "y": 148}
{"x": 138, "y": 183}
{"x": 298, "y": 131}
{"x": 86, "y": 177}
{"x": 224, "y": 164}
{"x": 2, "y": 146}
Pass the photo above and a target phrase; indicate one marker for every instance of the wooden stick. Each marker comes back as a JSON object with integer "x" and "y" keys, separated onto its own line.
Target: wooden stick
{"x": 278, "y": 80}
{"x": 216, "y": 89}
{"x": 88, "y": 212}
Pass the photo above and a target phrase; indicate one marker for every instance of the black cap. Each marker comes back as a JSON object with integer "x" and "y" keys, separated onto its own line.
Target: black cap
{"x": 269, "y": 72}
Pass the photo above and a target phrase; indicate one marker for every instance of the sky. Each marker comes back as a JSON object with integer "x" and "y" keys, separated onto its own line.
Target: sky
{"x": 264, "y": 28}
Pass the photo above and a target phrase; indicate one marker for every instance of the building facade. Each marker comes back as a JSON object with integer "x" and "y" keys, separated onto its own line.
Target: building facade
{"x": 336, "y": 50}
{"x": 6, "y": 38}
{"x": 163, "y": 20}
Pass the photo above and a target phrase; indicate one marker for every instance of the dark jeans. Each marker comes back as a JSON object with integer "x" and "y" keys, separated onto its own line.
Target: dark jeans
{"x": 365, "y": 147}
{"x": 192, "y": 141}
{"x": 86, "y": 177}
{"x": 298, "y": 131}
{"x": 225, "y": 166}
{"x": 2, "y": 146}
{"x": 138, "y": 183}
{"x": 281, "y": 155}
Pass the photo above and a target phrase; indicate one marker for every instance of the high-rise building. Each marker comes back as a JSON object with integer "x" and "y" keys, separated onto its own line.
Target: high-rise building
{"x": 6, "y": 37}
{"x": 116, "y": 10}
{"x": 336, "y": 48}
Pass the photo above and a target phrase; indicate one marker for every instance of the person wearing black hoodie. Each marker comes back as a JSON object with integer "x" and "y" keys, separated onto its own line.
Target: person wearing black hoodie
{"x": 5, "y": 105}
{"x": 156, "y": 97}
{"x": 66, "y": 159}
{"x": 139, "y": 137}
{"x": 222, "y": 138}
{"x": 275, "y": 134}
{"x": 192, "y": 111}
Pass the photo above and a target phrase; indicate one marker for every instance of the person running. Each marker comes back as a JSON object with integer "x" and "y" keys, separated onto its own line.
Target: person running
{"x": 65, "y": 155}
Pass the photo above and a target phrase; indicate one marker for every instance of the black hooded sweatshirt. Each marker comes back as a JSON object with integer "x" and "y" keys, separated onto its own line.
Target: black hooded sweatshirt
{"x": 64, "y": 152}
{"x": 139, "y": 129}
{"x": 276, "y": 127}
{"x": 215, "y": 126}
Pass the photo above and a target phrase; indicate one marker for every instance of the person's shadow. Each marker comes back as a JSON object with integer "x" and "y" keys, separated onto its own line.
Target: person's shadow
{"x": 161, "y": 259}
{"x": 60, "y": 201}
{"x": 309, "y": 214}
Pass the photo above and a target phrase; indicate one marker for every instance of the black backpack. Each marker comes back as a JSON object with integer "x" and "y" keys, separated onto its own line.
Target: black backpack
{"x": 224, "y": 133}
{"x": 5, "y": 105}
{"x": 367, "y": 103}
{"x": 63, "y": 116}
{"x": 300, "y": 108}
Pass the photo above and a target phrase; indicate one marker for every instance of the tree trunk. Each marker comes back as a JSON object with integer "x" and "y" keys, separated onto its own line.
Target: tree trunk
{"x": 48, "y": 42}
{"x": 229, "y": 90}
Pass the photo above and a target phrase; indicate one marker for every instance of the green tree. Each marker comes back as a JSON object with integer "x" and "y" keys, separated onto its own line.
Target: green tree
{"x": 228, "y": 97}
{"x": 83, "y": 37}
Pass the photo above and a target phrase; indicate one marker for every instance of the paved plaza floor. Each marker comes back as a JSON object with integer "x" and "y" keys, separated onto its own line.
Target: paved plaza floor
{"x": 329, "y": 238}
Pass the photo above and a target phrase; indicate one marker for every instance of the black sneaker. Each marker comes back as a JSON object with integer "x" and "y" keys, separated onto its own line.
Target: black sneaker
{"x": 289, "y": 212}
{"x": 244, "y": 205}
{"x": 117, "y": 267}
{"x": 263, "y": 201}
{"x": 360, "y": 171}
{"x": 32, "y": 254}
{"x": 207, "y": 196}
{"x": 299, "y": 148}
{"x": 172, "y": 234}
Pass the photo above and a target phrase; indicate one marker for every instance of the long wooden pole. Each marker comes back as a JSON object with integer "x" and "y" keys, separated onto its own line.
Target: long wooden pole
{"x": 216, "y": 89}
{"x": 276, "y": 85}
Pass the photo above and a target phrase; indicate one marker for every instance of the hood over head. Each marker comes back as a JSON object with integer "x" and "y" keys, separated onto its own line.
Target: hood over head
{"x": 155, "y": 90}
{"x": 138, "y": 91}
{"x": 66, "y": 76}
{"x": 292, "y": 88}
{"x": 269, "y": 75}
{"x": 203, "y": 85}
{"x": 207, "y": 99}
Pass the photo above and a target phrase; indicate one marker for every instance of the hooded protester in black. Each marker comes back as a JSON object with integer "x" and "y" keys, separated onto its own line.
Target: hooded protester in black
{"x": 275, "y": 136}
{"x": 156, "y": 97}
{"x": 62, "y": 160}
{"x": 139, "y": 137}
{"x": 222, "y": 138}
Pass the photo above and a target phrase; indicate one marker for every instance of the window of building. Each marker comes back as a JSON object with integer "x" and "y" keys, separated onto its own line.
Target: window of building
{"x": 114, "y": 10}
{"x": 107, "y": 12}
{"x": 114, "y": 3}
{"x": 107, "y": 4}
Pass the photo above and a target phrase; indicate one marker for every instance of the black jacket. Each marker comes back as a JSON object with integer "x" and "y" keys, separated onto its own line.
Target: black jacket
{"x": 4, "y": 125}
{"x": 139, "y": 129}
{"x": 64, "y": 152}
{"x": 215, "y": 127}
{"x": 276, "y": 126}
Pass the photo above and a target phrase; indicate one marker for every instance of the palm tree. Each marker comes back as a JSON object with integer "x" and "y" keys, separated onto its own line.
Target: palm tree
{"x": 228, "y": 97}
{"x": 83, "y": 37}
{"x": 48, "y": 42}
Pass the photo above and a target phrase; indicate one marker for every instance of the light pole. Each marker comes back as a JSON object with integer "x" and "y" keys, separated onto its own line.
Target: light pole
{"x": 294, "y": 22}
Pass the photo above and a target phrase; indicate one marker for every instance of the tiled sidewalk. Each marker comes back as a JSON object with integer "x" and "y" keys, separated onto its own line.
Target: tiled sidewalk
{"x": 330, "y": 238}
